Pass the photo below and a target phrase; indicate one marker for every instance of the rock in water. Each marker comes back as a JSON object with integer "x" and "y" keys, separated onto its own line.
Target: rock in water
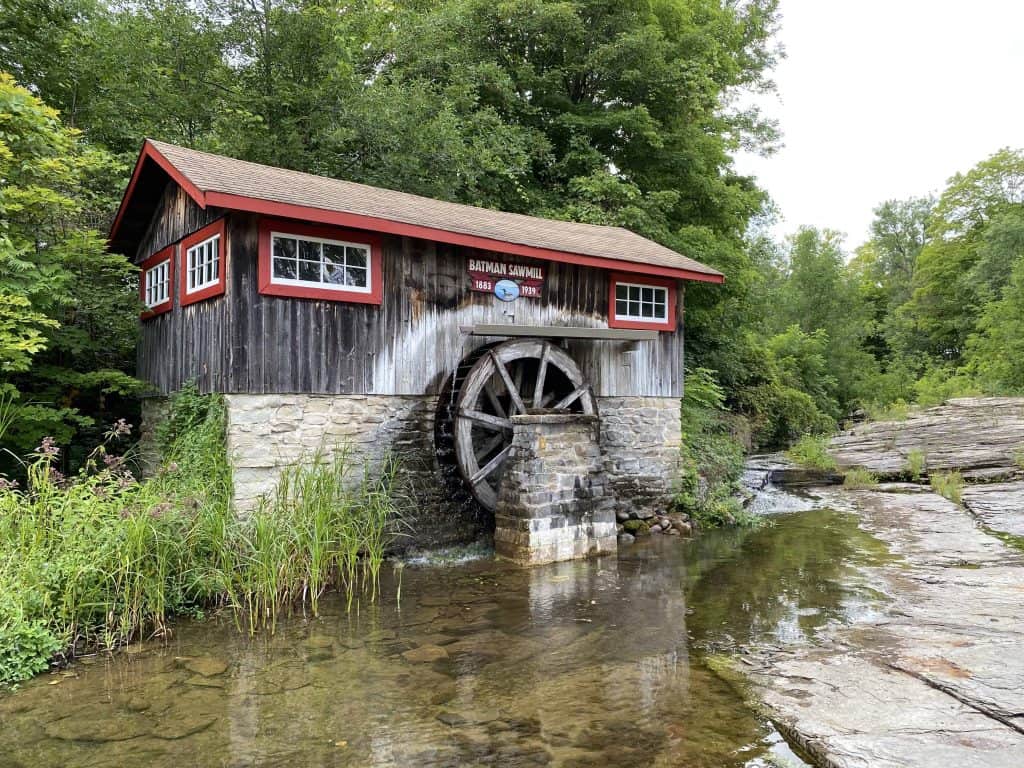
{"x": 1000, "y": 506}
{"x": 425, "y": 654}
{"x": 206, "y": 666}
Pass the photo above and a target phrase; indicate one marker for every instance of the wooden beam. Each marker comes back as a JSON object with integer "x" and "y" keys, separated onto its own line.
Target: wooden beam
{"x": 559, "y": 332}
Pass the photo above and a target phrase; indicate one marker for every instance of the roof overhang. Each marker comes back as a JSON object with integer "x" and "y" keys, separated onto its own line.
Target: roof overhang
{"x": 130, "y": 222}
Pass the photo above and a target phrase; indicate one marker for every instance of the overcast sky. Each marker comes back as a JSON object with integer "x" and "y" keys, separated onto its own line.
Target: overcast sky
{"x": 883, "y": 99}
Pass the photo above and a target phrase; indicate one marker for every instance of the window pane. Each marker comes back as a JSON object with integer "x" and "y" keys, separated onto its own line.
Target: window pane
{"x": 309, "y": 250}
{"x": 648, "y": 310}
{"x": 334, "y": 255}
{"x": 309, "y": 270}
{"x": 356, "y": 257}
{"x": 621, "y": 307}
{"x": 648, "y": 294}
{"x": 284, "y": 249}
{"x": 659, "y": 311}
{"x": 634, "y": 293}
{"x": 355, "y": 277}
{"x": 285, "y": 269}
{"x": 621, "y": 292}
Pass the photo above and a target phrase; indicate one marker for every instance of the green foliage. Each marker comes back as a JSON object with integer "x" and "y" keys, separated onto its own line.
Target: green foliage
{"x": 712, "y": 455}
{"x": 858, "y": 479}
{"x": 897, "y": 410}
{"x": 917, "y": 464}
{"x": 68, "y": 309}
{"x": 99, "y": 559}
{"x": 812, "y": 451}
{"x": 948, "y": 484}
{"x": 1018, "y": 459}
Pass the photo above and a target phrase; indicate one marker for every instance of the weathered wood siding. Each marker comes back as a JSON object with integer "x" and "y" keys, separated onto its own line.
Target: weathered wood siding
{"x": 245, "y": 342}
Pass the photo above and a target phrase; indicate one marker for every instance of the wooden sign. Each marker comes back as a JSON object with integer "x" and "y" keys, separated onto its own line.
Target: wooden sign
{"x": 506, "y": 280}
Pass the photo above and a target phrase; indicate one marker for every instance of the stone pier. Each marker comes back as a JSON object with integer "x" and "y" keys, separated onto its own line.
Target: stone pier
{"x": 553, "y": 503}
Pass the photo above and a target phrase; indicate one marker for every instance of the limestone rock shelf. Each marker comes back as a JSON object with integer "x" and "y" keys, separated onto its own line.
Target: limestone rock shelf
{"x": 981, "y": 436}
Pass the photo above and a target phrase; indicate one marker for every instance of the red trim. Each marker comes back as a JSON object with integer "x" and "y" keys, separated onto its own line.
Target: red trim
{"x": 669, "y": 323}
{"x": 269, "y": 288}
{"x": 217, "y": 289}
{"x": 359, "y": 221}
{"x": 164, "y": 254}
{"x": 150, "y": 152}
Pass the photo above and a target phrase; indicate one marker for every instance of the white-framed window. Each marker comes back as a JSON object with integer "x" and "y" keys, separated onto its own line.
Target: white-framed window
{"x": 646, "y": 303}
{"x": 314, "y": 261}
{"x": 158, "y": 284}
{"x": 202, "y": 264}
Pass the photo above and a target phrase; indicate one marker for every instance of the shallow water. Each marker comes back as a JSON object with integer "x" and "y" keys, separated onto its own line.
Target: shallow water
{"x": 602, "y": 662}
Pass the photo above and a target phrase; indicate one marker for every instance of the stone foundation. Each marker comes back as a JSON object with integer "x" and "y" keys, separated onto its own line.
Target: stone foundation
{"x": 639, "y": 436}
{"x": 553, "y": 505}
{"x": 642, "y": 438}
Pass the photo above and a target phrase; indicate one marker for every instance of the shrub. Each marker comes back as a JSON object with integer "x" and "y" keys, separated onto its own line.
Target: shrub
{"x": 917, "y": 463}
{"x": 100, "y": 558}
{"x": 812, "y": 451}
{"x": 895, "y": 411}
{"x": 949, "y": 485}
{"x": 859, "y": 479}
{"x": 940, "y": 383}
{"x": 712, "y": 453}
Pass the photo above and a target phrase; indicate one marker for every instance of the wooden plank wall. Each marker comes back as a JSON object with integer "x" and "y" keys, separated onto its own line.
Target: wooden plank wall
{"x": 245, "y": 342}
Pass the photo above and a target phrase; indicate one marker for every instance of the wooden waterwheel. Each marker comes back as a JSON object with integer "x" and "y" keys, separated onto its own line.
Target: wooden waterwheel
{"x": 514, "y": 377}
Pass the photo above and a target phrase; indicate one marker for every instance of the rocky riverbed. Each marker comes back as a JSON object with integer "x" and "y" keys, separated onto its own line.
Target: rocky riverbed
{"x": 937, "y": 678}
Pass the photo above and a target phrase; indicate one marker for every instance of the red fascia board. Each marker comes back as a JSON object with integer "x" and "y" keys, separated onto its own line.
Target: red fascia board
{"x": 149, "y": 152}
{"x": 669, "y": 324}
{"x": 217, "y": 289}
{"x": 269, "y": 288}
{"x": 164, "y": 254}
{"x": 375, "y": 224}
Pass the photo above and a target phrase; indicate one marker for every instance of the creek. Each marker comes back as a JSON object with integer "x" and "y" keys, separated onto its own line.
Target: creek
{"x": 464, "y": 662}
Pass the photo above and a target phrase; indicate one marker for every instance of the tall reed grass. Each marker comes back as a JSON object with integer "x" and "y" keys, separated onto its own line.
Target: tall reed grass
{"x": 97, "y": 560}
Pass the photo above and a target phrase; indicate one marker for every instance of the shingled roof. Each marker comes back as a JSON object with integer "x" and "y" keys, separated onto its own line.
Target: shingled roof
{"x": 215, "y": 180}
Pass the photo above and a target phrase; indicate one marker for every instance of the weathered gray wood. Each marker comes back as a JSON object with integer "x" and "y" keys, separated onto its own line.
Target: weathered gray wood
{"x": 410, "y": 345}
{"x": 558, "y": 332}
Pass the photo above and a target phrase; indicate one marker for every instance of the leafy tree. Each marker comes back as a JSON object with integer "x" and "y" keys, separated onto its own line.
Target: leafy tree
{"x": 996, "y": 352}
{"x": 70, "y": 306}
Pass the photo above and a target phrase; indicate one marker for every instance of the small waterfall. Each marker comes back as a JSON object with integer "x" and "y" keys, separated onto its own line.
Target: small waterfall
{"x": 766, "y": 498}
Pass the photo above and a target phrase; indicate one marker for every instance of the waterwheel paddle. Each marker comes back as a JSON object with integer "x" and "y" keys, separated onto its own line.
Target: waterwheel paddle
{"x": 514, "y": 377}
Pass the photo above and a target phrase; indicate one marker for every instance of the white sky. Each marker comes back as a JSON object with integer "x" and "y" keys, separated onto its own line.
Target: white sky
{"x": 880, "y": 100}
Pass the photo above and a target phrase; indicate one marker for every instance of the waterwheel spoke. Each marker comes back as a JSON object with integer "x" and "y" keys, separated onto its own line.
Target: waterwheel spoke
{"x": 513, "y": 391}
{"x": 571, "y": 398}
{"x": 486, "y": 420}
{"x": 491, "y": 465}
{"x": 489, "y": 446}
{"x": 542, "y": 372}
{"x": 492, "y": 397}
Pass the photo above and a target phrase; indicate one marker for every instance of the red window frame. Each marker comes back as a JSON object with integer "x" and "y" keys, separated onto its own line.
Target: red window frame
{"x": 672, "y": 291}
{"x": 164, "y": 254}
{"x": 216, "y": 289}
{"x": 286, "y": 226}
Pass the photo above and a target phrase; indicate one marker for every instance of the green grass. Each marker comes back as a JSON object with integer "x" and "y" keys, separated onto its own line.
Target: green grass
{"x": 100, "y": 559}
{"x": 1018, "y": 459}
{"x": 859, "y": 479}
{"x": 812, "y": 451}
{"x": 916, "y": 465}
{"x": 897, "y": 411}
{"x": 948, "y": 484}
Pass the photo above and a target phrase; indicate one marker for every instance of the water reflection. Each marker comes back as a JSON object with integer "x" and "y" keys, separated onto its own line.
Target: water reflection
{"x": 598, "y": 662}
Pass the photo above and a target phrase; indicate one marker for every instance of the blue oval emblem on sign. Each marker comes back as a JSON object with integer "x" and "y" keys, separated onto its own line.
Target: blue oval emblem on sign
{"x": 506, "y": 290}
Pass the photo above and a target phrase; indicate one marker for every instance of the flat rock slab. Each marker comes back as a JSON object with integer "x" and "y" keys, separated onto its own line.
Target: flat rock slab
{"x": 967, "y": 433}
{"x": 937, "y": 679}
{"x": 1000, "y": 506}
